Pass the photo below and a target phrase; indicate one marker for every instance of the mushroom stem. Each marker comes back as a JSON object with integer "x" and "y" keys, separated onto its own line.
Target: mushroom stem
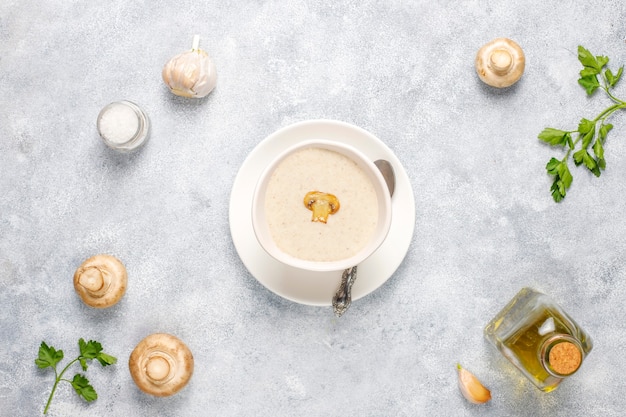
{"x": 158, "y": 367}
{"x": 501, "y": 61}
{"x": 196, "y": 42}
{"x": 95, "y": 281}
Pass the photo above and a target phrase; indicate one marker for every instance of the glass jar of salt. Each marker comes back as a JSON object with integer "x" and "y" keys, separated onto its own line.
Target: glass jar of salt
{"x": 537, "y": 336}
{"x": 123, "y": 126}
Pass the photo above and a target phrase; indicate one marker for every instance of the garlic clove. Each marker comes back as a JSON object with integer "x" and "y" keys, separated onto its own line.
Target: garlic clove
{"x": 190, "y": 74}
{"x": 471, "y": 387}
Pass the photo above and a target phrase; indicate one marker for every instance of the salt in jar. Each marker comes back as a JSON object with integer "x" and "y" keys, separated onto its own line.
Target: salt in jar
{"x": 123, "y": 126}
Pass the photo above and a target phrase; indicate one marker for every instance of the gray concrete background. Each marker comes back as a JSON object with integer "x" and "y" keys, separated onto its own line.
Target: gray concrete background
{"x": 486, "y": 224}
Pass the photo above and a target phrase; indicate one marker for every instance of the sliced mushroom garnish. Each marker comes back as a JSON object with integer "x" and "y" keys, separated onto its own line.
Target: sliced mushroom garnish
{"x": 321, "y": 204}
{"x": 101, "y": 281}
{"x": 161, "y": 364}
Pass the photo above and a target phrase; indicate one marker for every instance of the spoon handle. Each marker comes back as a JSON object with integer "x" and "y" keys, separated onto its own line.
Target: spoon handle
{"x": 343, "y": 297}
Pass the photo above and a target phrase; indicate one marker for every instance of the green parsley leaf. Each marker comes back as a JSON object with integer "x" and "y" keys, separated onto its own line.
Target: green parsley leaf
{"x": 585, "y": 125}
{"x": 615, "y": 78}
{"x": 558, "y": 190}
{"x": 587, "y": 59}
{"x": 610, "y": 77}
{"x": 590, "y": 132}
{"x": 587, "y": 138}
{"x": 602, "y": 61}
{"x": 105, "y": 359}
{"x": 598, "y": 151}
{"x": 583, "y": 157}
{"x": 590, "y": 83}
{"x": 83, "y": 388}
{"x": 553, "y": 166}
{"x": 89, "y": 350}
{"x": 562, "y": 180}
{"x": 578, "y": 156}
{"x": 565, "y": 175}
{"x": 48, "y": 356}
{"x": 554, "y": 136}
{"x": 604, "y": 130}
{"x": 589, "y": 72}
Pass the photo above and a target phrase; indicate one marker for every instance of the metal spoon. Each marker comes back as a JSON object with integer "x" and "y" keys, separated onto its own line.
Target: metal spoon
{"x": 343, "y": 298}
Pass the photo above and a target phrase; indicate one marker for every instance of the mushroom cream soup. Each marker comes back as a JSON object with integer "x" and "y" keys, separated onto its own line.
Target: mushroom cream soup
{"x": 346, "y": 231}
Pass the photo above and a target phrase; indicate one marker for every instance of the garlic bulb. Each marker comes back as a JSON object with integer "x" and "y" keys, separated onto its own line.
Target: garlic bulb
{"x": 190, "y": 74}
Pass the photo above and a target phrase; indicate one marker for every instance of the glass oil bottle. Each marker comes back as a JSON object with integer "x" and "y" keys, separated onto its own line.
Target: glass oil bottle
{"x": 539, "y": 338}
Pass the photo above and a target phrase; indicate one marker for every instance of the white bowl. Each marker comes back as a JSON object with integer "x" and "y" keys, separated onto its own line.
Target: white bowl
{"x": 262, "y": 230}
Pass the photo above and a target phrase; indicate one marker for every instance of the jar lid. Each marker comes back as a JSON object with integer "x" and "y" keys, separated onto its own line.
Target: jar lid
{"x": 561, "y": 355}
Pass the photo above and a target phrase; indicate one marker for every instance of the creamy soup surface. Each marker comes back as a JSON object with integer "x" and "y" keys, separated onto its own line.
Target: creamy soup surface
{"x": 316, "y": 169}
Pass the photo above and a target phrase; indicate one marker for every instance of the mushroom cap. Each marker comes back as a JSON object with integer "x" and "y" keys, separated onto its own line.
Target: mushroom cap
{"x": 101, "y": 281}
{"x": 161, "y": 364}
{"x": 500, "y": 63}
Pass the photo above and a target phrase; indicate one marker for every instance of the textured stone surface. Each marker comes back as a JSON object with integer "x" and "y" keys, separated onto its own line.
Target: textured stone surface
{"x": 486, "y": 224}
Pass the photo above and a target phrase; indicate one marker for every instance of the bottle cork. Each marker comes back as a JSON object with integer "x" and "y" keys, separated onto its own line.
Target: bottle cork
{"x": 565, "y": 358}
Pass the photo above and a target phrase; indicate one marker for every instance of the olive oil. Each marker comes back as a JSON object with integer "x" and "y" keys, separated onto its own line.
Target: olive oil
{"x": 539, "y": 338}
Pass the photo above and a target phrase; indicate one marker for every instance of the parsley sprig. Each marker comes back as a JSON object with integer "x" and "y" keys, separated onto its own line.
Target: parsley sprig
{"x": 49, "y": 357}
{"x": 588, "y": 146}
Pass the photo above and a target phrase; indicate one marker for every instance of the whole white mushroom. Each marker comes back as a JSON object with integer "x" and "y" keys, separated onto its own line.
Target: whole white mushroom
{"x": 101, "y": 281}
{"x": 500, "y": 63}
{"x": 161, "y": 364}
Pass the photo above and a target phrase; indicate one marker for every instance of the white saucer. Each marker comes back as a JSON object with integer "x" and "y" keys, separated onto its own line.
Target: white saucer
{"x": 317, "y": 288}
